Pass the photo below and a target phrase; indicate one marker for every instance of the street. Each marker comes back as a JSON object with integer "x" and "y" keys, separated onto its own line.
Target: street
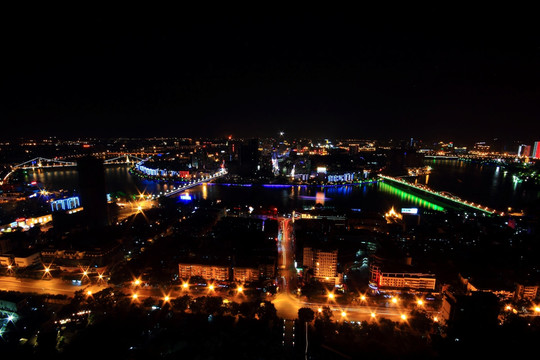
{"x": 52, "y": 286}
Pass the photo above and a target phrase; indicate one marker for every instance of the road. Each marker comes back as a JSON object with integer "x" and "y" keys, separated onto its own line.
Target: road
{"x": 52, "y": 286}
{"x": 131, "y": 208}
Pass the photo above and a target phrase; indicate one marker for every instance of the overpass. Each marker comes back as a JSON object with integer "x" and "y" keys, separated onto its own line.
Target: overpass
{"x": 442, "y": 196}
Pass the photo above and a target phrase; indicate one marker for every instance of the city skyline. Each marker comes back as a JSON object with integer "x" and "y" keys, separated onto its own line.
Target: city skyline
{"x": 308, "y": 74}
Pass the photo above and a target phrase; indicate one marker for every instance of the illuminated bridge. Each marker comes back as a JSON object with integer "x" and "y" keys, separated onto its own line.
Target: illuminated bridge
{"x": 44, "y": 163}
{"x": 194, "y": 183}
{"x": 441, "y": 196}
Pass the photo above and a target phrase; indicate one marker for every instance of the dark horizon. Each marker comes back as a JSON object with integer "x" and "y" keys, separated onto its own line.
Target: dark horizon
{"x": 310, "y": 75}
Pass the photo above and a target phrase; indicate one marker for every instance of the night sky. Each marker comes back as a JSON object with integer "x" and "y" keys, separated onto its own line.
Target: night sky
{"x": 327, "y": 74}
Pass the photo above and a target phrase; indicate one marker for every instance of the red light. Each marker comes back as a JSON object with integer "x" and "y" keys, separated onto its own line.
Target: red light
{"x": 33, "y": 182}
{"x": 86, "y": 146}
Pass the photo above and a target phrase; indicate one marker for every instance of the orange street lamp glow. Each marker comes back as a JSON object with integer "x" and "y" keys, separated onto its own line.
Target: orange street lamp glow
{"x": 166, "y": 298}
{"x": 239, "y": 289}
{"x": 85, "y": 273}
{"x": 537, "y": 309}
{"x": 420, "y": 302}
{"x": 137, "y": 282}
{"x": 403, "y": 317}
{"x": 363, "y": 297}
{"x": 436, "y": 319}
{"x": 89, "y": 293}
{"x": 319, "y": 310}
{"x": 331, "y": 295}
{"x": 100, "y": 276}
{"x": 211, "y": 287}
{"x": 343, "y": 314}
{"x": 185, "y": 285}
{"x": 508, "y": 308}
{"x": 135, "y": 296}
{"x": 373, "y": 315}
{"x": 47, "y": 270}
{"x": 394, "y": 300}
{"x": 9, "y": 267}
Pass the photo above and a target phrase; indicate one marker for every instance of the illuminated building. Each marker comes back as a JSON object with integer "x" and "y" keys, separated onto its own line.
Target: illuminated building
{"x": 71, "y": 260}
{"x": 524, "y": 150}
{"x": 340, "y": 177}
{"x": 245, "y": 274}
{"x": 65, "y": 204}
{"x": 26, "y": 223}
{"x": 323, "y": 263}
{"x": 20, "y": 260}
{"x": 380, "y": 279}
{"x": 536, "y": 150}
{"x": 208, "y": 272}
{"x": 527, "y": 292}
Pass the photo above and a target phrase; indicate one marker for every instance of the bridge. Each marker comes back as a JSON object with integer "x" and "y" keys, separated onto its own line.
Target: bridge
{"x": 194, "y": 183}
{"x": 443, "y": 157}
{"x": 44, "y": 163}
{"x": 123, "y": 159}
{"x": 442, "y": 196}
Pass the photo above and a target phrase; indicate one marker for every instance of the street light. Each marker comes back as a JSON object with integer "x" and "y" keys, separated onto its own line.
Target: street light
{"x": 363, "y": 298}
{"x": 166, "y": 298}
{"x": 343, "y": 314}
{"x": 394, "y": 300}
{"x": 89, "y": 293}
{"x": 135, "y": 296}
{"x": 420, "y": 302}
{"x": 185, "y": 286}
{"x": 373, "y": 315}
{"x": 403, "y": 317}
{"x": 331, "y": 296}
{"x": 211, "y": 287}
{"x": 239, "y": 289}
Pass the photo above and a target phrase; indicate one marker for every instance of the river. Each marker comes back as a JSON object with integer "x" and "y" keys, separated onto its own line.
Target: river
{"x": 488, "y": 185}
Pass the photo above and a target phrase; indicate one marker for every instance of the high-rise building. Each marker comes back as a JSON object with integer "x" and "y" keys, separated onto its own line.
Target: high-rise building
{"x": 93, "y": 194}
{"x": 536, "y": 150}
{"x": 249, "y": 156}
{"x": 524, "y": 150}
{"x": 323, "y": 263}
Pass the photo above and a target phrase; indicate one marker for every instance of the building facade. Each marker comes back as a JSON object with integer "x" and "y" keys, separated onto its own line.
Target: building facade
{"x": 400, "y": 280}
{"x": 323, "y": 263}
{"x": 208, "y": 272}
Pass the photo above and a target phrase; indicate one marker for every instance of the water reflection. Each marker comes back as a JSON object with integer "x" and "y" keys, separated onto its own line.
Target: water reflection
{"x": 409, "y": 198}
{"x": 470, "y": 181}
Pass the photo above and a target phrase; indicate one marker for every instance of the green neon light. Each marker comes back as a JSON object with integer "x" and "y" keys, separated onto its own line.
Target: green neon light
{"x": 409, "y": 197}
